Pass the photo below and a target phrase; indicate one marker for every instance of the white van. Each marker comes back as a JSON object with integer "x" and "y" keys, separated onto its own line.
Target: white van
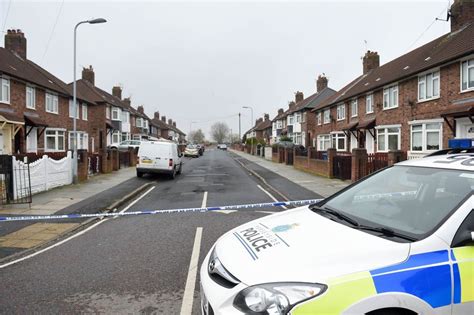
{"x": 159, "y": 157}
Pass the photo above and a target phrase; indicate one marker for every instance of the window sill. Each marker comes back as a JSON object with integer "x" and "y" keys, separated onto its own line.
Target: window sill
{"x": 369, "y": 113}
{"x": 389, "y": 108}
{"x": 4, "y": 102}
{"x": 428, "y": 99}
{"x": 32, "y": 108}
{"x": 54, "y": 114}
{"x": 467, "y": 90}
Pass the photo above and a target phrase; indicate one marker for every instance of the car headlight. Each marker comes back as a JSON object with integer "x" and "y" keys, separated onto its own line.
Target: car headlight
{"x": 275, "y": 298}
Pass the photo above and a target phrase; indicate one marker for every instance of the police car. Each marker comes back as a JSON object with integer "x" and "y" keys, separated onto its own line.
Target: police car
{"x": 397, "y": 242}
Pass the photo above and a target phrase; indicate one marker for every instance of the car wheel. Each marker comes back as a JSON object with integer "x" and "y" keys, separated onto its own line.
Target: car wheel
{"x": 139, "y": 174}
{"x": 180, "y": 169}
{"x": 173, "y": 174}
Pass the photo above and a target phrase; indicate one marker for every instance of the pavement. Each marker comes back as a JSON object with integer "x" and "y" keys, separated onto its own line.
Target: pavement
{"x": 91, "y": 196}
{"x": 317, "y": 184}
{"x": 144, "y": 264}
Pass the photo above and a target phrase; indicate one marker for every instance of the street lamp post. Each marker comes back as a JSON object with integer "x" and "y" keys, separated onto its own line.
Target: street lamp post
{"x": 251, "y": 122}
{"x": 191, "y": 126}
{"x": 74, "y": 99}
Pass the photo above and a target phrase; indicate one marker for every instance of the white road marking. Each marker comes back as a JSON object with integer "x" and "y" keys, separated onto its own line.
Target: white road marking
{"x": 72, "y": 236}
{"x": 204, "y": 200}
{"x": 188, "y": 297}
{"x": 270, "y": 195}
{"x": 268, "y": 212}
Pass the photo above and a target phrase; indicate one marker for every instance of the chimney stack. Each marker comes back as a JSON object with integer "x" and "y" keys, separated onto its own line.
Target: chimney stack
{"x": 174, "y": 124}
{"x": 15, "y": 41}
{"x": 267, "y": 117}
{"x": 462, "y": 14}
{"x": 163, "y": 119}
{"x": 127, "y": 101}
{"x": 321, "y": 83}
{"x": 280, "y": 111}
{"x": 88, "y": 74}
{"x": 299, "y": 96}
{"x": 157, "y": 115}
{"x": 140, "y": 109}
{"x": 370, "y": 61}
{"x": 117, "y": 92}
{"x": 291, "y": 105}
{"x": 170, "y": 122}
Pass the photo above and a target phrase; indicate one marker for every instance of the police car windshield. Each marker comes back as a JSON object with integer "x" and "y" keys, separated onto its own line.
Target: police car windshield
{"x": 410, "y": 200}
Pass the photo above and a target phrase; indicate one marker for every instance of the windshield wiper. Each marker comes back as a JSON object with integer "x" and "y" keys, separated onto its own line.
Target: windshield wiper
{"x": 385, "y": 231}
{"x": 335, "y": 213}
{"x": 382, "y": 230}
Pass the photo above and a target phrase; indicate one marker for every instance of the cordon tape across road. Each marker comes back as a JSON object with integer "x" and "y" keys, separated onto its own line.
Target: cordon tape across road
{"x": 117, "y": 214}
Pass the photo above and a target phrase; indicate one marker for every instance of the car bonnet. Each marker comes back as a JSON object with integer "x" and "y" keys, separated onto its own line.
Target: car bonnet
{"x": 300, "y": 245}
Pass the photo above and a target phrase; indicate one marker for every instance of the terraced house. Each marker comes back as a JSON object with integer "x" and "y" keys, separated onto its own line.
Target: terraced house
{"x": 414, "y": 103}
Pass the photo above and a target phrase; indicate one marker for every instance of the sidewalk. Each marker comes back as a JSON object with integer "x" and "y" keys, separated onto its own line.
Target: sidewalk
{"x": 91, "y": 196}
{"x": 320, "y": 185}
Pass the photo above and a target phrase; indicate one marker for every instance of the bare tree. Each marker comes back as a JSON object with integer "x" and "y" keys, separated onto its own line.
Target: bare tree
{"x": 219, "y": 131}
{"x": 196, "y": 136}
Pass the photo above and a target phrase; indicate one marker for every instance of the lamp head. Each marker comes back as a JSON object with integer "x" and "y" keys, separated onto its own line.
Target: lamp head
{"x": 97, "y": 21}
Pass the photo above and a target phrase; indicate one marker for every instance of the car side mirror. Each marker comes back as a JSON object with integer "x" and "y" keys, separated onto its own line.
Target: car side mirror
{"x": 464, "y": 239}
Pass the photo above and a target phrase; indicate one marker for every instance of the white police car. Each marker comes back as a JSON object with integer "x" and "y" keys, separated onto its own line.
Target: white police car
{"x": 397, "y": 242}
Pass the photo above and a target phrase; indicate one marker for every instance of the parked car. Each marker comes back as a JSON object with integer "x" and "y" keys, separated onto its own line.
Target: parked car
{"x": 159, "y": 157}
{"x": 125, "y": 145}
{"x": 222, "y": 146}
{"x": 191, "y": 150}
{"x": 400, "y": 241}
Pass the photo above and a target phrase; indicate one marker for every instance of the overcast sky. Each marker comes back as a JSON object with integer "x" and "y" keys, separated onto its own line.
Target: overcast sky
{"x": 202, "y": 61}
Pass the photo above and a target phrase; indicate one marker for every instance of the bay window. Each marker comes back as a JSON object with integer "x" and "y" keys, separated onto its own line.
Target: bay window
{"x": 116, "y": 113}
{"x": 467, "y": 75}
{"x": 388, "y": 138}
{"x": 390, "y": 97}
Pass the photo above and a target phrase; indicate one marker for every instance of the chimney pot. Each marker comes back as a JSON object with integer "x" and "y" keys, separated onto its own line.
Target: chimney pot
{"x": 163, "y": 119}
{"x": 299, "y": 96}
{"x": 291, "y": 105}
{"x": 267, "y": 117}
{"x": 170, "y": 121}
{"x": 462, "y": 14}
{"x": 370, "y": 61}
{"x": 321, "y": 83}
{"x": 174, "y": 123}
{"x": 157, "y": 115}
{"x": 15, "y": 41}
{"x": 127, "y": 101}
{"x": 140, "y": 109}
{"x": 280, "y": 111}
{"x": 88, "y": 75}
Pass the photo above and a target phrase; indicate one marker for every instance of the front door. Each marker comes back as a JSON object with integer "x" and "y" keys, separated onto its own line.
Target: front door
{"x": 2, "y": 149}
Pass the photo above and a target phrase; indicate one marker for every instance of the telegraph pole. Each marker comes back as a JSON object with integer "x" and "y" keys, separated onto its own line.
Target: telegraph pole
{"x": 240, "y": 135}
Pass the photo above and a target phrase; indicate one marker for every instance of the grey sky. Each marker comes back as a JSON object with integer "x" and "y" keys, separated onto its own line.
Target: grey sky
{"x": 203, "y": 61}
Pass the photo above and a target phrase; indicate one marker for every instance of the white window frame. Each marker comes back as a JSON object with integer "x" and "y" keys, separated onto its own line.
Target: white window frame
{"x": 139, "y": 122}
{"x": 335, "y": 137}
{"x": 85, "y": 113}
{"x": 30, "y": 97}
{"x": 469, "y": 64}
{"x": 319, "y": 118}
{"x": 424, "y": 133}
{"x": 107, "y": 112}
{"x": 324, "y": 142}
{"x": 354, "y": 108}
{"x": 279, "y": 124}
{"x": 290, "y": 120}
{"x": 117, "y": 135}
{"x": 341, "y": 112}
{"x": 369, "y": 103}
{"x": 390, "y": 97}
{"x": 52, "y": 103}
{"x": 56, "y": 137}
{"x": 327, "y": 116}
{"x": 82, "y": 140}
{"x": 386, "y": 136}
{"x": 71, "y": 109}
{"x": 125, "y": 117}
{"x": 298, "y": 118}
{"x": 116, "y": 114}
{"x": 32, "y": 137}
{"x": 5, "y": 86}
{"x": 426, "y": 81}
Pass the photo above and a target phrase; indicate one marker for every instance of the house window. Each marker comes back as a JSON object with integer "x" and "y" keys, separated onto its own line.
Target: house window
{"x": 279, "y": 124}
{"x": 339, "y": 141}
{"x": 388, "y": 139}
{"x": 298, "y": 117}
{"x": 274, "y": 126}
{"x": 84, "y": 111}
{"x": 139, "y": 122}
{"x": 327, "y": 116}
{"x": 107, "y": 112}
{"x": 82, "y": 140}
{"x": 354, "y": 109}
{"x": 369, "y": 103}
{"x": 290, "y": 120}
{"x": 5, "y": 90}
{"x": 116, "y": 137}
{"x": 125, "y": 117}
{"x": 428, "y": 86}
{"x": 324, "y": 142}
{"x": 319, "y": 117}
{"x": 54, "y": 140}
{"x": 390, "y": 97}
{"x": 71, "y": 109}
{"x": 51, "y": 103}
{"x": 125, "y": 136}
{"x": 30, "y": 97}
{"x": 145, "y": 124}
{"x": 467, "y": 75}
{"x": 341, "y": 112}
{"x": 426, "y": 137}
{"x": 116, "y": 113}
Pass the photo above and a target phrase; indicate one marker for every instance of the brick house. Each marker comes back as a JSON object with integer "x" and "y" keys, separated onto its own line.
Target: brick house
{"x": 278, "y": 126}
{"x": 414, "y": 103}
{"x": 263, "y": 129}
{"x": 35, "y": 106}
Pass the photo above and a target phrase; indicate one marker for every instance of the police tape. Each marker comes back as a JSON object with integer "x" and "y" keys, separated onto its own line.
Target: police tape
{"x": 143, "y": 212}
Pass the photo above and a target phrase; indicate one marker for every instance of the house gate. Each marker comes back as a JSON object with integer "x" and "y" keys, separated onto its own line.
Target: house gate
{"x": 342, "y": 166}
{"x": 15, "y": 183}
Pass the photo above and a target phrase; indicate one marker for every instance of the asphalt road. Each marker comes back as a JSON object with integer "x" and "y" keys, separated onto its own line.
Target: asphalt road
{"x": 139, "y": 265}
